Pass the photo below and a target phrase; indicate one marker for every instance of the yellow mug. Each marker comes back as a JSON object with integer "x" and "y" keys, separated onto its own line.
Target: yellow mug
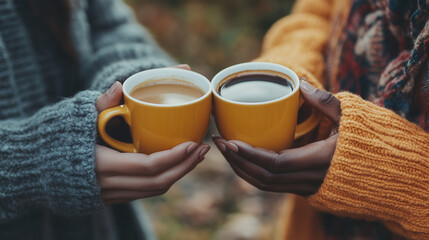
{"x": 270, "y": 124}
{"x": 157, "y": 127}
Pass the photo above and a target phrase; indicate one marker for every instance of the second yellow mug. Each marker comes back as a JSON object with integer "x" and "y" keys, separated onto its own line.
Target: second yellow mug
{"x": 268, "y": 124}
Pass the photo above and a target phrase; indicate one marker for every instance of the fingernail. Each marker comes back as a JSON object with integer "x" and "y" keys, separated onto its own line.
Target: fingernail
{"x": 220, "y": 145}
{"x": 231, "y": 146}
{"x": 191, "y": 148}
{"x": 183, "y": 66}
{"x": 112, "y": 89}
{"x": 307, "y": 87}
{"x": 204, "y": 151}
{"x": 215, "y": 138}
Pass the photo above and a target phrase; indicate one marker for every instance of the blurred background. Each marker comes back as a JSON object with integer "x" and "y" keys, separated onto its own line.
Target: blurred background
{"x": 210, "y": 35}
{"x": 212, "y": 202}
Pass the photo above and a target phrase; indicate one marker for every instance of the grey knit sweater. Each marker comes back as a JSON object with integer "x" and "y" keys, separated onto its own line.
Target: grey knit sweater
{"x": 48, "y": 187}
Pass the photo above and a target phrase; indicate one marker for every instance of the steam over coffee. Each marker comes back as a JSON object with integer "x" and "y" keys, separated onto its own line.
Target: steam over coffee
{"x": 167, "y": 92}
{"x": 255, "y": 88}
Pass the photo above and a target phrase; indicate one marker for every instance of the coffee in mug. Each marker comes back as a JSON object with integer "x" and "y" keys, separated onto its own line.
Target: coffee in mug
{"x": 258, "y": 103}
{"x": 254, "y": 88}
{"x": 167, "y": 91}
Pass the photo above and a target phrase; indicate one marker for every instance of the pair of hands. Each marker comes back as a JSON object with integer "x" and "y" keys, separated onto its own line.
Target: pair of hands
{"x": 297, "y": 170}
{"x": 124, "y": 177}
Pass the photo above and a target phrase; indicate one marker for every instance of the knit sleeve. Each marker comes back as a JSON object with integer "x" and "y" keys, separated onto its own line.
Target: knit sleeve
{"x": 47, "y": 159}
{"x": 299, "y": 39}
{"x": 380, "y": 170}
{"x": 120, "y": 45}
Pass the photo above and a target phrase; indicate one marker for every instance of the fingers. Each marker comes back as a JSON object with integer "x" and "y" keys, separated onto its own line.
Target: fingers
{"x": 267, "y": 177}
{"x": 324, "y": 101}
{"x": 155, "y": 183}
{"x": 110, "y": 98}
{"x": 117, "y": 201}
{"x": 317, "y": 155}
{"x": 112, "y": 162}
{"x": 118, "y": 195}
{"x": 258, "y": 156}
{"x": 296, "y": 188}
{"x": 183, "y": 66}
{"x": 300, "y": 171}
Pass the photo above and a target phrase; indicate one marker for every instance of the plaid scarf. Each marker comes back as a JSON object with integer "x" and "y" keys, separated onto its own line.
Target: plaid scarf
{"x": 380, "y": 52}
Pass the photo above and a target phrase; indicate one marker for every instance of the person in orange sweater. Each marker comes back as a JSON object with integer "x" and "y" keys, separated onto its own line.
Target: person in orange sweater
{"x": 369, "y": 179}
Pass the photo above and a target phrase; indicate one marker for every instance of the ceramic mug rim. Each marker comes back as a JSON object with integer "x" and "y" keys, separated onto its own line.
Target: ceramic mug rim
{"x": 164, "y": 73}
{"x": 255, "y": 67}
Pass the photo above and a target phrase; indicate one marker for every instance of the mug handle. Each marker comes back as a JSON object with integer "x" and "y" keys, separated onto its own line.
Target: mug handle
{"x": 104, "y": 117}
{"x": 309, "y": 124}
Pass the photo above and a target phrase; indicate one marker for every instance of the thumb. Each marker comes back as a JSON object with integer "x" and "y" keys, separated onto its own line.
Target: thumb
{"x": 324, "y": 101}
{"x": 182, "y": 66}
{"x": 110, "y": 98}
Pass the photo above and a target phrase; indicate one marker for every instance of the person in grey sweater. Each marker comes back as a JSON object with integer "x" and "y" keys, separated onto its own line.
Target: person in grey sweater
{"x": 56, "y": 181}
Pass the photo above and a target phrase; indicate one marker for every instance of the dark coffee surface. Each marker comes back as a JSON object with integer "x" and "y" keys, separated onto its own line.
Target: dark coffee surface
{"x": 255, "y": 88}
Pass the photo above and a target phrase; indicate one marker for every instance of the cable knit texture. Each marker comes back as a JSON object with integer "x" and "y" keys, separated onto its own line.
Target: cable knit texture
{"x": 62, "y": 180}
{"x": 366, "y": 178}
{"x": 47, "y": 121}
{"x": 381, "y": 165}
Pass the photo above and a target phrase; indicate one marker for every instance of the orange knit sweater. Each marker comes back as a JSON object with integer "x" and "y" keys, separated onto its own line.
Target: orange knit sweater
{"x": 380, "y": 170}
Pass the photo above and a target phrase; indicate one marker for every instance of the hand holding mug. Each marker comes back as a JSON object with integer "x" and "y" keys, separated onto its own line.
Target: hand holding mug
{"x": 297, "y": 170}
{"x": 124, "y": 177}
{"x": 163, "y": 107}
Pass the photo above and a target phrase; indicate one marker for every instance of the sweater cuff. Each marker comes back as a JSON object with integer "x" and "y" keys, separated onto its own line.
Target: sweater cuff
{"x": 72, "y": 187}
{"x": 48, "y": 160}
{"x": 380, "y": 169}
